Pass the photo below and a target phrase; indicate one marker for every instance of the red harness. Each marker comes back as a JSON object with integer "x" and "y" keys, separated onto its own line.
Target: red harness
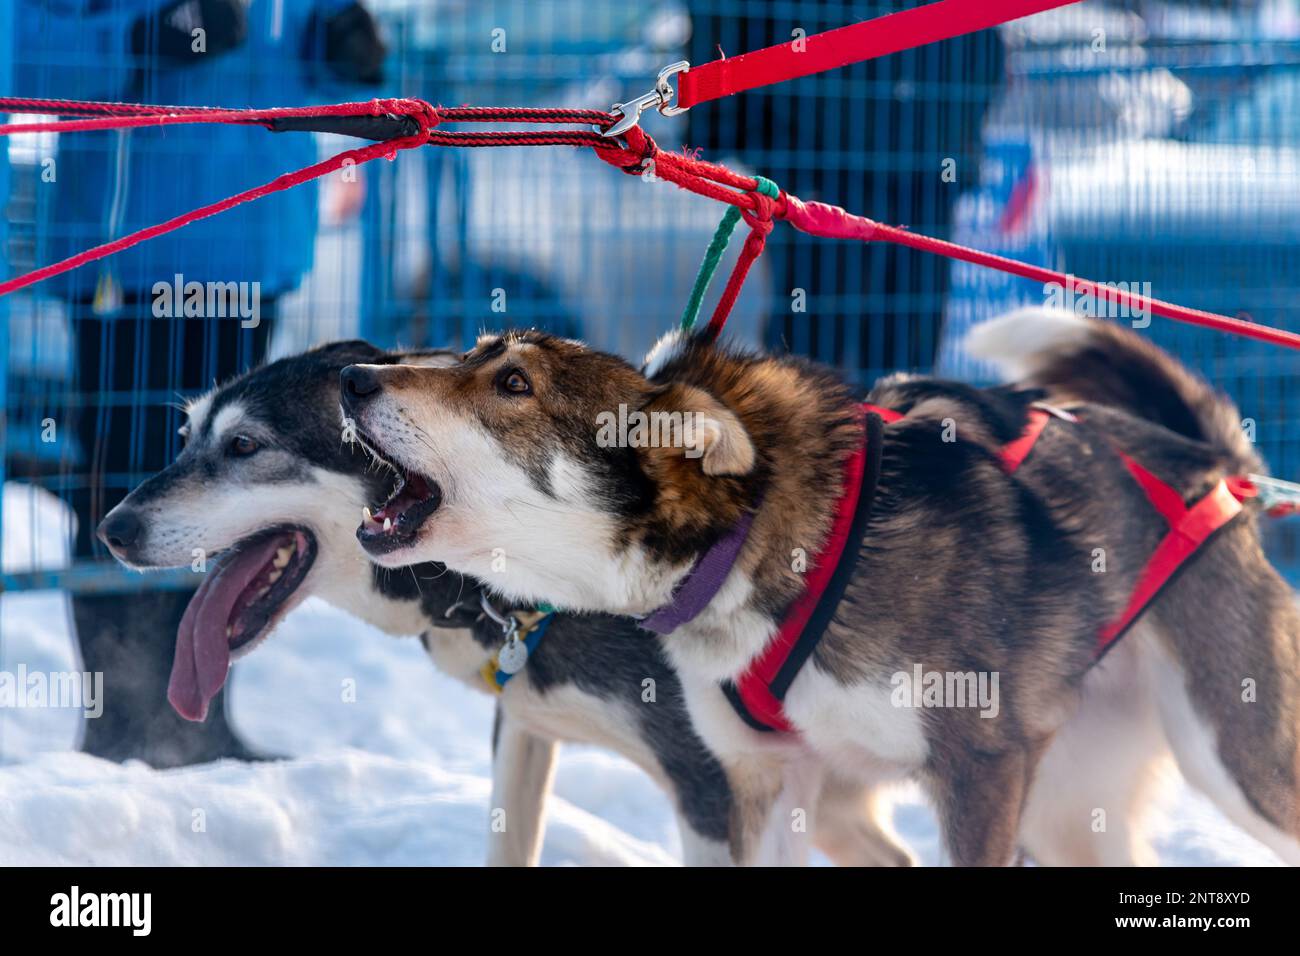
{"x": 758, "y": 696}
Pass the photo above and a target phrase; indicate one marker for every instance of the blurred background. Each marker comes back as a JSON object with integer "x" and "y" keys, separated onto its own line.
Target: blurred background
{"x": 1155, "y": 144}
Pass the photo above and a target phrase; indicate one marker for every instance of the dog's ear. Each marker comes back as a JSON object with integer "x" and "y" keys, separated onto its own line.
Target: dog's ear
{"x": 348, "y": 352}
{"x": 428, "y": 358}
{"x": 711, "y": 431}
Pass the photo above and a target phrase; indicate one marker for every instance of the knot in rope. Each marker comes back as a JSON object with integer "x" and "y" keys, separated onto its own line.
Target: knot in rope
{"x": 631, "y": 155}
{"x": 422, "y": 112}
{"x": 765, "y": 198}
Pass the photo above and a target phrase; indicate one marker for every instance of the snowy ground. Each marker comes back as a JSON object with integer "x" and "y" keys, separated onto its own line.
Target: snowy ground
{"x": 398, "y": 776}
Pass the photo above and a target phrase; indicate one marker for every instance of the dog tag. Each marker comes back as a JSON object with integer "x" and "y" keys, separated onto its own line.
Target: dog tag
{"x": 513, "y": 656}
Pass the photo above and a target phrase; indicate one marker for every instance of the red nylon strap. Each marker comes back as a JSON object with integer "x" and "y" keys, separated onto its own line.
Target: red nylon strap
{"x": 1186, "y": 535}
{"x": 1189, "y": 528}
{"x": 852, "y": 44}
{"x": 754, "y": 686}
{"x": 1163, "y": 498}
{"x": 1014, "y": 453}
{"x": 887, "y": 415}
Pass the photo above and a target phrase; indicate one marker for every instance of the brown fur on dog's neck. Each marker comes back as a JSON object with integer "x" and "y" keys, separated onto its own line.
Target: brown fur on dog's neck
{"x": 803, "y": 423}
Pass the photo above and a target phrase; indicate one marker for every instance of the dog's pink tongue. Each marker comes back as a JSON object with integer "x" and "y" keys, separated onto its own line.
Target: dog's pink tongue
{"x": 202, "y": 648}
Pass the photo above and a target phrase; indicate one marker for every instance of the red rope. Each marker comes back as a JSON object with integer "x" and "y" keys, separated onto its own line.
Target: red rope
{"x": 21, "y": 104}
{"x": 760, "y": 226}
{"x": 521, "y": 114}
{"x": 131, "y": 115}
{"x": 563, "y": 137}
{"x": 833, "y": 222}
{"x": 635, "y": 154}
{"x": 416, "y": 108}
{"x": 143, "y": 115}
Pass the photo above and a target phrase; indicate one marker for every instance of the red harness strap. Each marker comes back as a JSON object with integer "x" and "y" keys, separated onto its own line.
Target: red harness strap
{"x": 759, "y": 693}
{"x": 1016, "y": 451}
{"x": 1189, "y": 528}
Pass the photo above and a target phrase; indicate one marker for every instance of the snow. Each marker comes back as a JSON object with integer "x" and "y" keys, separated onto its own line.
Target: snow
{"x": 386, "y": 762}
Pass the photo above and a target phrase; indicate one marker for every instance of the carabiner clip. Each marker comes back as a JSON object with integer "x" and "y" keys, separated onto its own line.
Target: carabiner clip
{"x": 659, "y": 98}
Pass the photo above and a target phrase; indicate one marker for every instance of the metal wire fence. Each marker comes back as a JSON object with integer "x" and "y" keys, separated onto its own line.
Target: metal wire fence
{"x": 1136, "y": 143}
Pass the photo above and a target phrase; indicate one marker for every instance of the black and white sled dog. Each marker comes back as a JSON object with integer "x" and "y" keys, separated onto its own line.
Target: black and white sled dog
{"x": 959, "y": 565}
{"x": 269, "y": 487}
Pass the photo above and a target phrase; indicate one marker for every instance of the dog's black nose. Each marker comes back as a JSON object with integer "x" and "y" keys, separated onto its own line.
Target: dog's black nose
{"x": 121, "y": 530}
{"x": 357, "y": 384}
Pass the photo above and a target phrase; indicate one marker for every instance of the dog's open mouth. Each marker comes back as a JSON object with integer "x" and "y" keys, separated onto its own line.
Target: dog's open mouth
{"x": 395, "y": 523}
{"x": 234, "y": 606}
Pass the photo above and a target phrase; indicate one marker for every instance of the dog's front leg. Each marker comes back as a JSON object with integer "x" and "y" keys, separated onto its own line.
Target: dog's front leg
{"x": 853, "y": 827}
{"x": 788, "y": 838}
{"x": 773, "y": 811}
{"x": 755, "y": 787}
{"x": 523, "y": 765}
{"x": 980, "y": 797}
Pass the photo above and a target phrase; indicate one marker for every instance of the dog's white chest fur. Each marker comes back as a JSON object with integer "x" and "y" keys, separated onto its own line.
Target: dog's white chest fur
{"x": 455, "y": 652}
{"x": 856, "y": 724}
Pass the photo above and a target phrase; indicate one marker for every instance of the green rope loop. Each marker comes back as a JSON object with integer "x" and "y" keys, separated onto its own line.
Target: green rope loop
{"x": 713, "y": 254}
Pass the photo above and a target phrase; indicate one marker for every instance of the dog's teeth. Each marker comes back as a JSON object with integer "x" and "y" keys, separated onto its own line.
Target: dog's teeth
{"x": 388, "y": 524}
{"x": 365, "y": 516}
{"x": 282, "y": 556}
{"x": 275, "y": 576}
{"x": 230, "y": 631}
{"x": 262, "y": 593}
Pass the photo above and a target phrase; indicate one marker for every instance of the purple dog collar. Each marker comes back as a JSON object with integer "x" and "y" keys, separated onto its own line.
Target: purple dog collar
{"x": 702, "y": 583}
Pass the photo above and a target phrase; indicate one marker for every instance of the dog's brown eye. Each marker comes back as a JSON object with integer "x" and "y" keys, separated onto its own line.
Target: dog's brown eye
{"x": 242, "y": 446}
{"x": 516, "y": 383}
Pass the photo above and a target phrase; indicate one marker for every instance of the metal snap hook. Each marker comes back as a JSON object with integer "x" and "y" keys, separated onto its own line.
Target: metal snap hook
{"x": 659, "y": 98}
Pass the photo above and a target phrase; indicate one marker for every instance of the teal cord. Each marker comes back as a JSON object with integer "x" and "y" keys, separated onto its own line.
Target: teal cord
{"x": 713, "y": 254}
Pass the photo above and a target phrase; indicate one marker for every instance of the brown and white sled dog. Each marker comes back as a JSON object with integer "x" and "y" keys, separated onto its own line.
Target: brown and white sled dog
{"x": 962, "y": 567}
{"x": 268, "y": 487}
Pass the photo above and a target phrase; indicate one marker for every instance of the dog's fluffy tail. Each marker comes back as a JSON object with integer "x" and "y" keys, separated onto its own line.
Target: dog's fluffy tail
{"x": 1089, "y": 360}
